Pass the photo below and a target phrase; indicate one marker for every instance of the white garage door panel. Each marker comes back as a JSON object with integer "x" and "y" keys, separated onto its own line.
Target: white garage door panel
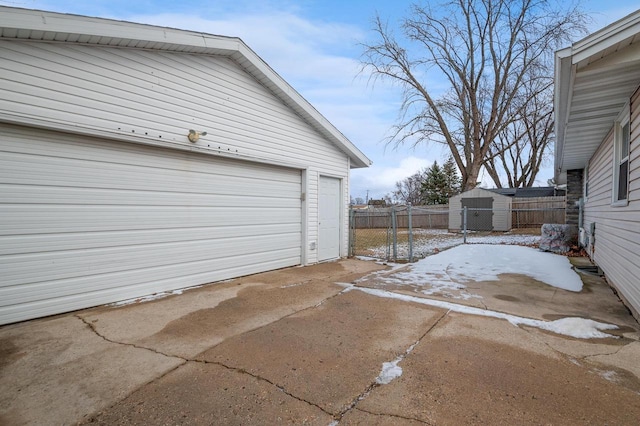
{"x": 100, "y": 289}
{"x": 76, "y": 218}
{"x": 86, "y": 222}
{"x": 19, "y": 244}
{"x": 35, "y": 267}
{"x": 148, "y": 278}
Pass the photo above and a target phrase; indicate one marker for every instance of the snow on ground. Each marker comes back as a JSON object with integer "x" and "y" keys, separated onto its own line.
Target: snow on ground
{"x": 507, "y": 238}
{"x": 451, "y": 269}
{"x": 391, "y": 370}
{"x": 580, "y": 328}
{"x": 429, "y": 241}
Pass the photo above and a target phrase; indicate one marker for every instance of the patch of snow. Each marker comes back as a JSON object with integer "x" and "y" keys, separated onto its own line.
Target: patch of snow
{"x": 609, "y": 375}
{"x": 580, "y": 328}
{"x": 509, "y": 239}
{"x": 430, "y": 241}
{"x": 294, "y": 284}
{"x": 334, "y": 423}
{"x": 367, "y": 258}
{"x": 390, "y": 371}
{"x": 452, "y": 268}
{"x": 148, "y": 298}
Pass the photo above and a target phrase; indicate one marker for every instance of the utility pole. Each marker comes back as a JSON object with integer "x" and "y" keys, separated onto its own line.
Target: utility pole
{"x": 367, "y": 201}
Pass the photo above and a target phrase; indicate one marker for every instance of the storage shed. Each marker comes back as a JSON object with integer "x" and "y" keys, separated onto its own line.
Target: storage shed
{"x": 137, "y": 159}
{"x": 486, "y": 211}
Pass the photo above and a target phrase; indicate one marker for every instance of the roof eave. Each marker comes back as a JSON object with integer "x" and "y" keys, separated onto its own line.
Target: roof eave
{"x": 52, "y": 26}
{"x": 576, "y": 65}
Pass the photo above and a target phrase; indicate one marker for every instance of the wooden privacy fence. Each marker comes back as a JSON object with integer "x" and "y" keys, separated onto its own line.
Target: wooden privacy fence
{"x": 534, "y": 212}
{"x": 525, "y": 213}
{"x": 421, "y": 217}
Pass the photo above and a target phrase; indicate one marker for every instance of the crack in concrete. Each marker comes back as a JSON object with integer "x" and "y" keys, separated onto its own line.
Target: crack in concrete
{"x": 396, "y": 416}
{"x": 336, "y": 417}
{"x": 264, "y": 379}
{"x": 184, "y": 360}
{"x": 565, "y": 355}
{"x": 603, "y": 354}
{"x": 375, "y": 384}
{"x": 187, "y": 360}
{"x": 106, "y": 339}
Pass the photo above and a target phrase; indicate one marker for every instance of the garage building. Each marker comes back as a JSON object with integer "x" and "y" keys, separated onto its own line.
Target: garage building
{"x": 137, "y": 159}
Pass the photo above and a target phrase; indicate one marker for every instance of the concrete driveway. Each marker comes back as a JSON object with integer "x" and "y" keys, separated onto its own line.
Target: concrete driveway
{"x": 298, "y": 346}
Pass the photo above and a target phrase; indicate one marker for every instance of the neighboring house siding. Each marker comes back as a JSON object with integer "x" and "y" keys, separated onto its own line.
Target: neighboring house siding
{"x": 616, "y": 241}
{"x": 161, "y": 95}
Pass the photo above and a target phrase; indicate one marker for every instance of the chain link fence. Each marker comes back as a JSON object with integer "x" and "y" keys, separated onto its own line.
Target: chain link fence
{"x": 408, "y": 233}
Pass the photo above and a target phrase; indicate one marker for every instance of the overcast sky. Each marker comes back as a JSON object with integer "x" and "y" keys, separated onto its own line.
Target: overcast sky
{"x": 315, "y": 46}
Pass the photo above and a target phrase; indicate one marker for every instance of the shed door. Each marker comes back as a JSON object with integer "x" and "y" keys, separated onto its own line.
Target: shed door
{"x": 88, "y": 221}
{"x": 479, "y": 213}
{"x": 329, "y": 219}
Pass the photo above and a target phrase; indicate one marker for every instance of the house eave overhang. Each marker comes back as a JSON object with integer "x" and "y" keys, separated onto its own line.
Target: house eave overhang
{"x": 594, "y": 79}
{"x": 28, "y": 24}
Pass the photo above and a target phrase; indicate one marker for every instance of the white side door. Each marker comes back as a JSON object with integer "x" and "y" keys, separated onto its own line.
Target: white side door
{"x": 329, "y": 219}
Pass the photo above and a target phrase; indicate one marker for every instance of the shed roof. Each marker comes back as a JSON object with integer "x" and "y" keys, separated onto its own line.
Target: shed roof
{"x": 594, "y": 79}
{"x": 28, "y": 24}
{"x": 542, "y": 191}
{"x": 480, "y": 192}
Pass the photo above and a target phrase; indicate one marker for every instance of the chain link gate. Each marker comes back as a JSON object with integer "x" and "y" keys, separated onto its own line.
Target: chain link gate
{"x": 408, "y": 233}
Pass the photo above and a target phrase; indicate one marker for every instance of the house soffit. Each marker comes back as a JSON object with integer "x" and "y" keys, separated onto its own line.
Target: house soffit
{"x": 601, "y": 84}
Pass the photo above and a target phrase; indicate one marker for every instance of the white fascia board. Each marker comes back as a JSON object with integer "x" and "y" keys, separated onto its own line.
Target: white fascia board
{"x": 36, "y": 20}
{"x": 563, "y": 89}
{"x": 120, "y": 33}
{"x": 606, "y": 37}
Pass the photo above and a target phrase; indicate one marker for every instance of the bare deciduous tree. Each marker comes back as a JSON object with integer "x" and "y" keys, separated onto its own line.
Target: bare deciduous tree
{"x": 520, "y": 150}
{"x": 486, "y": 50}
{"x": 408, "y": 190}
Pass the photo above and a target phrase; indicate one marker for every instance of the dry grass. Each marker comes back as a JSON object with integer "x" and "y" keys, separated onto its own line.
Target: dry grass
{"x": 369, "y": 242}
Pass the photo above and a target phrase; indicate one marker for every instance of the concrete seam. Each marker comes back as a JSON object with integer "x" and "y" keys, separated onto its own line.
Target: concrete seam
{"x": 375, "y": 384}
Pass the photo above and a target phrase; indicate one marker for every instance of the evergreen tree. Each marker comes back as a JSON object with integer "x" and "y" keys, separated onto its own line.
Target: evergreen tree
{"x": 434, "y": 187}
{"x": 454, "y": 183}
{"x": 440, "y": 183}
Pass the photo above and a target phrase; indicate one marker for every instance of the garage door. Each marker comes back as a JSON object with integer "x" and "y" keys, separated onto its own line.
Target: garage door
{"x": 87, "y": 221}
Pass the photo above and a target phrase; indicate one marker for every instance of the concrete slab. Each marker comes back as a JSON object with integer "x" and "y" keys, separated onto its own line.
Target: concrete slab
{"x": 331, "y": 354}
{"x": 186, "y": 324}
{"x": 208, "y": 394}
{"x": 360, "y": 417}
{"x": 451, "y": 378}
{"x": 56, "y": 371}
{"x": 292, "y": 346}
{"x": 523, "y": 296}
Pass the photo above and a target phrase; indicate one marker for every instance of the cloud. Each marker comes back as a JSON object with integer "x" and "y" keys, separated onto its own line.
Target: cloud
{"x": 380, "y": 180}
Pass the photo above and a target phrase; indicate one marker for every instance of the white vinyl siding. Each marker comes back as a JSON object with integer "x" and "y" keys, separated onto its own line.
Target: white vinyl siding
{"x": 85, "y": 221}
{"x": 616, "y": 247}
{"x": 155, "y": 97}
